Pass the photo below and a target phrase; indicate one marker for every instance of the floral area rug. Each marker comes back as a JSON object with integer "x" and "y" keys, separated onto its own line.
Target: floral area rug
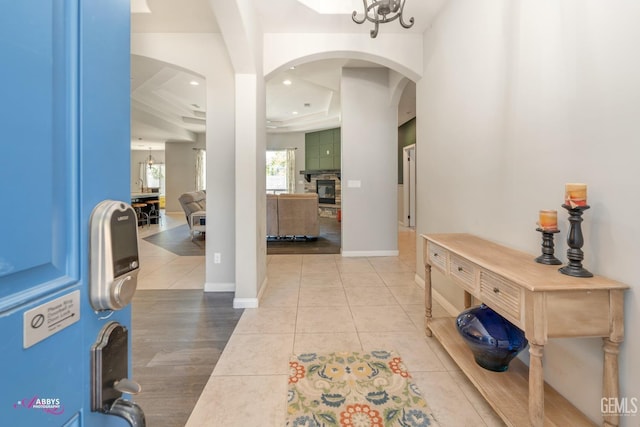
{"x": 354, "y": 389}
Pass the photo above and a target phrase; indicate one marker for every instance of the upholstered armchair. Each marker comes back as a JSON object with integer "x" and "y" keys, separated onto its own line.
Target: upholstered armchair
{"x": 194, "y": 204}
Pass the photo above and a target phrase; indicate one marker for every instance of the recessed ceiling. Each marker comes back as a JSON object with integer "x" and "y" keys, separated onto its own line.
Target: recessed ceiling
{"x": 165, "y": 104}
{"x": 166, "y": 107}
{"x": 318, "y": 84}
{"x": 313, "y": 95}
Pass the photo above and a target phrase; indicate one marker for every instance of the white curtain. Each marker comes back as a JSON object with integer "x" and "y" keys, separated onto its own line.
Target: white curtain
{"x": 142, "y": 176}
{"x": 201, "y": 169}
{"x": 291, "y": 170}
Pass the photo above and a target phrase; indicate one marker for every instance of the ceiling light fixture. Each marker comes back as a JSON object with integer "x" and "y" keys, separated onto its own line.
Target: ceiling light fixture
{"x": 151, "y": 160}
{"x": 194, "y": 83}
{"x": 286, "y": 82}
{"x": 381, "y": 12}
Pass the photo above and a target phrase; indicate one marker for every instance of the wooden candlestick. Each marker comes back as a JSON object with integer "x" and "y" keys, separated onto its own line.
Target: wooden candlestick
{"x": 575, "y": 242}
{"x": 547, "y": 248}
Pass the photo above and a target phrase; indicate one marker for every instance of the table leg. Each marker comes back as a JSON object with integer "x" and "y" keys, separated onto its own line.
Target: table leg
{"x": 467, "y": 299}
{"x": 536, "y": 385}
{"x": 610, "y": 386}
{"x": 427, "y": 300}
{"x": 611, "y": 347}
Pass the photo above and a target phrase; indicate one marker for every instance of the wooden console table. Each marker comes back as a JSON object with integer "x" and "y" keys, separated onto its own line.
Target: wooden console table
{"x": 543, "y": 303}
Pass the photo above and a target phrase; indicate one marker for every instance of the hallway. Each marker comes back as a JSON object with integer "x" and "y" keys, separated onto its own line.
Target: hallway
{"x": 320, "y": 303}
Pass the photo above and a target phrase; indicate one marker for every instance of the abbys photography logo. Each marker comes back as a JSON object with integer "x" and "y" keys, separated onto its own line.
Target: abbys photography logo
{"x": 51, "y": 406}
{"x": 620, "y": 406}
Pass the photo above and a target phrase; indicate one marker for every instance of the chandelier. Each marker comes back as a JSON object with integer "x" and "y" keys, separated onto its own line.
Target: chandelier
{"x": 381, "y": 12}
{"x": 151, "y": 160}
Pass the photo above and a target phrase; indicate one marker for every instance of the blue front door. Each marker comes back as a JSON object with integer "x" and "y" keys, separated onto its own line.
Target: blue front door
{"x": 64, "y": 121}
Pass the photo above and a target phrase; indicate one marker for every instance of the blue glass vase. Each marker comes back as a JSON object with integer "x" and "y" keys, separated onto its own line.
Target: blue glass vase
{"x": 493, "y": 340}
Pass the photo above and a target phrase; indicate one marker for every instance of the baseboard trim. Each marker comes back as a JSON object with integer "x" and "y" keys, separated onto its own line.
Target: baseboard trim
{"x": 450, "y": 308}
{"x": 245, "y": 303}
{"x": 437, "y": 296}
{"x": 219, "y": 287}
{"x": 347, "y": 254}
{"x": 263, "y": 288}
{"x": 419, "y": 280}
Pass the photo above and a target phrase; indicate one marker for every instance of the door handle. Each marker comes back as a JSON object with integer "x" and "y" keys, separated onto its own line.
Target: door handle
{"x": 128, "y": 386}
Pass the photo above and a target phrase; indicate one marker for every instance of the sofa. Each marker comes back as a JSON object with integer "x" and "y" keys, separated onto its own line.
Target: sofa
{"x": 194, "y": 205}
{"x": 292, "y": 215}
{"x": 272, "y": 215}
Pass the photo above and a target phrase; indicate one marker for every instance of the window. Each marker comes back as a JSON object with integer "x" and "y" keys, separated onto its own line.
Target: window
{"x": 281, "y": 171}
{"x": 201, "y": 169}
{"x": 151, "y": 176}
{"x": 155, "y": 177}
{"x": 277, "y": 171}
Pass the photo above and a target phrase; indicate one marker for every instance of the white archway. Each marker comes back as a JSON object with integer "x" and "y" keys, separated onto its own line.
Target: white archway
{"x": 370, "y": 98}
{"x": 283, "y": 50}
{"x": 206, "y": 55}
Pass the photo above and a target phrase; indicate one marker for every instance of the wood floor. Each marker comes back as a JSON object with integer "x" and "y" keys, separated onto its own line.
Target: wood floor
{"x": 178, "y": 336}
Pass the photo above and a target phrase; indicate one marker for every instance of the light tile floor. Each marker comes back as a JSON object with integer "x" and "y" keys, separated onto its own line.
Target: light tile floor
{"x": 162, "y": 269}
{"x": 319, "y": 303}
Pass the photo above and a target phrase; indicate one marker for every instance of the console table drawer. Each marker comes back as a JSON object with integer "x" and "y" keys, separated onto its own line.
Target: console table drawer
{"x": 502, "y": 295}
{"x": 464, "y": 271}
{"x": 438, "y": 256}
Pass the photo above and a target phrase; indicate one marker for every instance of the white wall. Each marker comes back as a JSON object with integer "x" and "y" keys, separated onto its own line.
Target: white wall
{"x": 240, "y": 28}
{"x": 279, "y": 141}
{"x": 369, "y": 146}
{"x": 518, "y": 98}
{"x": 180, "y": 171}
{"x": 206, "y": 54}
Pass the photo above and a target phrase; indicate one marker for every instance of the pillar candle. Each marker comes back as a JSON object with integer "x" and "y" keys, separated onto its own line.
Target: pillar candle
{"x": 548, "y": 220}
{"x": 575, "y": 194}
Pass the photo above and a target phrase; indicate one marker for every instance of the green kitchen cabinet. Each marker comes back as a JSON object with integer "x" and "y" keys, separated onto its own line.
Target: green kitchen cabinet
{"x": 312, "y": 151}
{"x": 322, "y": 150}
{"x": 336, "y": 149}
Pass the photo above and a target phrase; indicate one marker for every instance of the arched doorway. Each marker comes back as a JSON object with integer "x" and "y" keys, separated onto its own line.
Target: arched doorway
{"x": 370, "y": 196}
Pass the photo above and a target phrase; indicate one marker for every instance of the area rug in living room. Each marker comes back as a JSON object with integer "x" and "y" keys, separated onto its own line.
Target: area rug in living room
{"x": 355, "y": 389}
{"x": 178, "y": 240}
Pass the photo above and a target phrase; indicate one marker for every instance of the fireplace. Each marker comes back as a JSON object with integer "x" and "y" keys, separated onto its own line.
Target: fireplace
{"x": 326, "y": 189}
